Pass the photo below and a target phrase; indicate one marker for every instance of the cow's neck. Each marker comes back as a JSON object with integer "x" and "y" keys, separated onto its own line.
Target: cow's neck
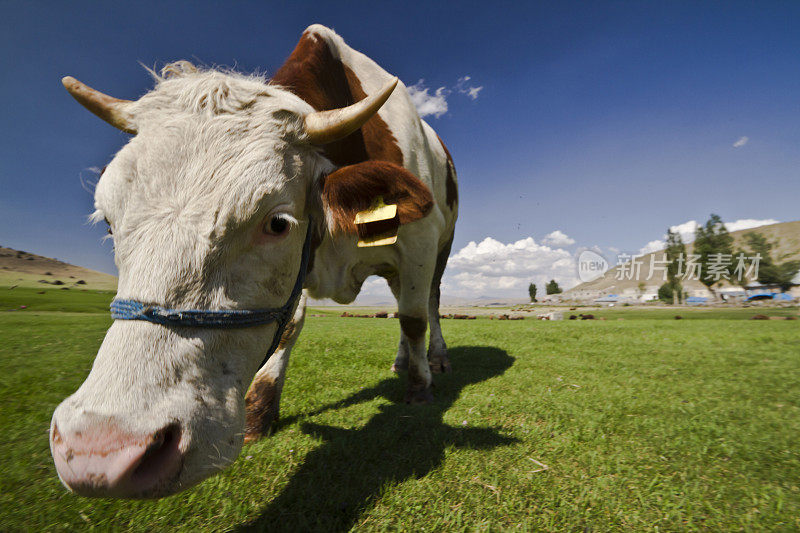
{"x": 340, "y": 267}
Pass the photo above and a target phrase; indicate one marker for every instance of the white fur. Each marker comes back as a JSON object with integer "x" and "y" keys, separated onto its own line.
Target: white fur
{"x": 214, "y": 154}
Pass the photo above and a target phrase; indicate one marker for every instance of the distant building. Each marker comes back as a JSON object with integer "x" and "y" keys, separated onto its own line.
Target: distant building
{"x": 771, "y": 291}
{"x": 732, "y": 294}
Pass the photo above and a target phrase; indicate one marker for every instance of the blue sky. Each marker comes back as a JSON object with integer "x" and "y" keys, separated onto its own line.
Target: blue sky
{"x": 607, "y": 122}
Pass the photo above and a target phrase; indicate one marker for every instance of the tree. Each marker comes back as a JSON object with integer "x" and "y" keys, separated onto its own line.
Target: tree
{"x": 666, "y": 293}
{"x": 532, "y": 291}
{"x": 552, "y": 287}
{"x": 676, "y": 255}
{"x": 759, "y": 245}
{"x": 770, "y": 272}
{"x": 779, "y": 274}
{"x": 714, "y": 245}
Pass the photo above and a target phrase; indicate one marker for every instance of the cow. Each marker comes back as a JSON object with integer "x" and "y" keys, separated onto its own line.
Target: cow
{"x": 233, "y": 193}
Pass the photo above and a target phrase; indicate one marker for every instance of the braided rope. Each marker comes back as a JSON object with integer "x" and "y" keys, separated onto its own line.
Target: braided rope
{"x": 227, "y": 318}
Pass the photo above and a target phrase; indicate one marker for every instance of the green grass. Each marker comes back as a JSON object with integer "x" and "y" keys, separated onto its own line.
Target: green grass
{"x": 54, "y": 299}
{"x": 643, "y": 424}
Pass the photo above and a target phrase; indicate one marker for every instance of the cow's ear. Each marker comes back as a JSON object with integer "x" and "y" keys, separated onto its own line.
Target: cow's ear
{"x": 356, "y": 188}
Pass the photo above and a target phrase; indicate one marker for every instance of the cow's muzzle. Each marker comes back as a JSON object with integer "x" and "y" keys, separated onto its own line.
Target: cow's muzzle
{"x": 101, "y": 460}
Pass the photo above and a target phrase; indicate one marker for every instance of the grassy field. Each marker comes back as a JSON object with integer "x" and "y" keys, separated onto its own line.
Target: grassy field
{"x": 637, "y": 424}
{"x": 28, "y": 300}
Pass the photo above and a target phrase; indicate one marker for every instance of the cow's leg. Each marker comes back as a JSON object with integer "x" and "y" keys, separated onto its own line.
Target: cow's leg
{"x": 262, "y": 401}
{"x": 415, "y": 283}
{"x": 401, "y": 360}
{"x": 437, "y": 348}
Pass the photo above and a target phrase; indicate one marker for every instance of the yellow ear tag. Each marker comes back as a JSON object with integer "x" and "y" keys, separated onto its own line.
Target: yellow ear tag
{"x": 378, "y": 225}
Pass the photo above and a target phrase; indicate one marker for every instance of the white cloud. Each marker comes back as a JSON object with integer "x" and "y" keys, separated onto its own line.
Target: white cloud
{"x": 479, "y": 284}
{"x": 435, "y": 103}
{"x": 748, "y": 223}
{"x": 493, "y": 268}
{"x": 652, "y": 246}
{"x": 473, "y": 92}
{"x": 497, "y": 259}
{"x": 428, "y": 104}
{"x": 686, "y": 230}
{"x": 741, "y": 142}
{"x": 470, "y": 90}
{"x": 557, "y": 238}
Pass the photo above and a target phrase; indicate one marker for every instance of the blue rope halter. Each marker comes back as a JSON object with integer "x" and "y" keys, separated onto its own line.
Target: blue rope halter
{"x": 125, "y": 309}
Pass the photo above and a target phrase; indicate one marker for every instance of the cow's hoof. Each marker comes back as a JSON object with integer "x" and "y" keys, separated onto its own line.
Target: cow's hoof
{"x": 419, "y": 397}
{"x": 440, "y": 364}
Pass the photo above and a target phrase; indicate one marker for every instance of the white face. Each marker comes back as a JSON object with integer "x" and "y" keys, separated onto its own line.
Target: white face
{"x": 208, "y": 211}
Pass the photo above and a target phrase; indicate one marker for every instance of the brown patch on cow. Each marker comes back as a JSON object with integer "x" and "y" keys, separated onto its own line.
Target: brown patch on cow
{"x": 288, "y": 333}
{"x": 413, "y": 327}
{"x": 315, "y": 75}
{"x": 353, "y": 188}
{"x": 451, "y": 187}
{"x": 379, "y": 141}
{"x": 261, "y": 408}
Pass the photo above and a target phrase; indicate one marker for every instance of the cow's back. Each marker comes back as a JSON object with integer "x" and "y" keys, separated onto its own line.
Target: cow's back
{"x": 328, "y": 74}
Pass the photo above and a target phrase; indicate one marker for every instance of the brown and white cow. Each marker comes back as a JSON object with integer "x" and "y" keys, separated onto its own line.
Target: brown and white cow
{"x": 209, "y": 204}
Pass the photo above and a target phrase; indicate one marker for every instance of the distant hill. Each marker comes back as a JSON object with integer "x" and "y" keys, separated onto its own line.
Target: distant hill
{"x": 786, "y": 236}
{"x": 23, "y": 269}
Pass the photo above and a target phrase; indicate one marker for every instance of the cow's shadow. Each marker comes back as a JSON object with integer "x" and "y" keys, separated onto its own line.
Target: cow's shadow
{"x": 342, "y": 477}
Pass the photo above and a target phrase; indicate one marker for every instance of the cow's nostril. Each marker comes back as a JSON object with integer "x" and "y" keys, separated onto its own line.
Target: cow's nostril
{"x": 162, "y": 458}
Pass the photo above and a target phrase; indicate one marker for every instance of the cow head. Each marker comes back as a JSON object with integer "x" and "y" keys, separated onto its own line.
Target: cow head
{"x": 208, "y": 207}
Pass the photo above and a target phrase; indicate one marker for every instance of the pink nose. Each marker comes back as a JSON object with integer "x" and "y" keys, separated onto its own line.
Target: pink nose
{"x": 103, "y": 461}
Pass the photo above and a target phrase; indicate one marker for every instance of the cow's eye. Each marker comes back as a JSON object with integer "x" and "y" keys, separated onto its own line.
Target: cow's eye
{"x": 109, "y": 225}
{"x": 276, "y": 225}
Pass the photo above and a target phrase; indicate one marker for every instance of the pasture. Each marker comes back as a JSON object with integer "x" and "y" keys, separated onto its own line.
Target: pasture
{"x": 646, "y": 423}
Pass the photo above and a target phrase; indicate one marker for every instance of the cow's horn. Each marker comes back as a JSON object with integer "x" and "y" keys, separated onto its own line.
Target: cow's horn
{"x": 112, "y": 110}
{"x": 323, "y": 127}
